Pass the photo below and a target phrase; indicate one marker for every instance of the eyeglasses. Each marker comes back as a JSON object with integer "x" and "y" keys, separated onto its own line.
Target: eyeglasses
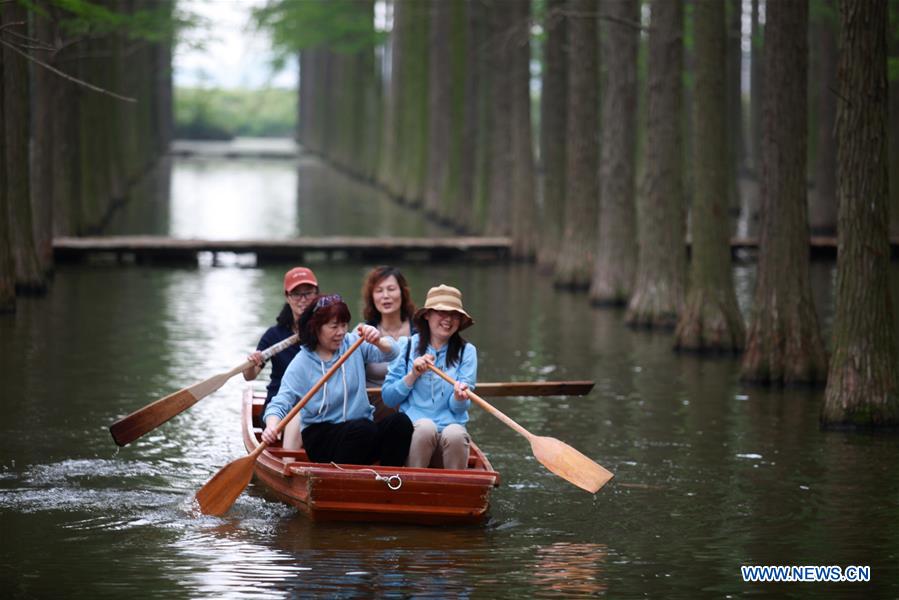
{"x": 296, "y": 295}
{"x": 447, "y": 314}
{"x": 327, "y": 301}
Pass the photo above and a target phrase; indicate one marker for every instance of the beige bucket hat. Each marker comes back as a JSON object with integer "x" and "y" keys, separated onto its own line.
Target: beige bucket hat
{"x": 445, "y": 297}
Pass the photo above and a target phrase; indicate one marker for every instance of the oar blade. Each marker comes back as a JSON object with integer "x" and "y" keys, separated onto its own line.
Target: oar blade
{"x": 220, "y": 492}
{"x": 569, "y": 464}
{"x": 129, "y": 428}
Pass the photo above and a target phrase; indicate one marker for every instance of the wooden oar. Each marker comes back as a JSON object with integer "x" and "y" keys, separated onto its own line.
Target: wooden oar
{"x": 555, "y": 455}
{"x": 220, "y": 492}
{"x": 129, "y": 428}
{"x": 521, "y": 388}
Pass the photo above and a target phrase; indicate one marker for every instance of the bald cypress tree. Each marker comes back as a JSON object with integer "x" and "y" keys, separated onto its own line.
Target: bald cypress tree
{"x": 757, "y": 36}
{"x": 894, "y": 119}
{"x": 616, "y": 253}
{"x": 16, "y": 168}
{"x": 823, "y": 200}
{"x": 658, "y": 297}
{"x": 7, "y": 269}
{"x": 784, "y": 342}
{"x": 711, "y": 319}
{"x": 524, "y": 232}
{"x": 574, "y": 267}
{"x": 439, "y": 107}
{"x": 553, "y": 106}
{"x": 499, "y": 44}
{"x": 863, "y": 380}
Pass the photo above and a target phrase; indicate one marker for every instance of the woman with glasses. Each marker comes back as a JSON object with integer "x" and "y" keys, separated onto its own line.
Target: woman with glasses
{"x": 300, "y": 287}
{"x": 337, "y": 425}
{"x": 438, "y": 410}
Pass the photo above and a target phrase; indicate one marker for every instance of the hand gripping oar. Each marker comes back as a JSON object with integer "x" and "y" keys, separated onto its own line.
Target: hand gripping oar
{"x": 220, "y": 492}
{"x": 127, "y": 429}
{"x": 557, "y": 456}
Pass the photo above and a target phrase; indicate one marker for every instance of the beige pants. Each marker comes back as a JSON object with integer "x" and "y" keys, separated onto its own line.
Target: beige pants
{"x": 447, "y": 449}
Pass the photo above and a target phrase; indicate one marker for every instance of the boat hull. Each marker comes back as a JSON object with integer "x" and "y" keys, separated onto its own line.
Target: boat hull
{"x": 330, "y": 492}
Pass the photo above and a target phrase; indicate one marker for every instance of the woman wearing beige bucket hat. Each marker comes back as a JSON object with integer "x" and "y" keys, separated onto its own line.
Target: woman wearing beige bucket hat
{"x": 438, "y": 410}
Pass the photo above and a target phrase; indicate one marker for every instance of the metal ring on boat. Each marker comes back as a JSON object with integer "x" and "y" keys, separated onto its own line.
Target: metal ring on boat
{"x": 394, "y": 482}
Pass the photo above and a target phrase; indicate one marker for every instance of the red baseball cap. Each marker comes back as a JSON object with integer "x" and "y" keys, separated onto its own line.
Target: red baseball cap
{"x": 299, "y": 276}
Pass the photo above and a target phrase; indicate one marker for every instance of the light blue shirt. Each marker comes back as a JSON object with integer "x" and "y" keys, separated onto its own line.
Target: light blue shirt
{"x": 430, "y": 397}
{"x": 342, "y": 398}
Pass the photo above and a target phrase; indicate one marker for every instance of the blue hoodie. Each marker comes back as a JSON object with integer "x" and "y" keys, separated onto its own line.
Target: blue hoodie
{"x": 342, "y": 398}
{"x": 430, "y": 397}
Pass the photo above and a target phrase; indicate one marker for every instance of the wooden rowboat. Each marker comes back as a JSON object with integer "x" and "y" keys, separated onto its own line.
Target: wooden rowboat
{"x": 370, "y": 493}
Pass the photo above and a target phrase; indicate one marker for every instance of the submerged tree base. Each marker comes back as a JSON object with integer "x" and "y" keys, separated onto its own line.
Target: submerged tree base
{"x": 655, "y": 306}
{"x": 861, "y": 394}
{"x": 711, "y": 322}
{"x": 784, "y": 354}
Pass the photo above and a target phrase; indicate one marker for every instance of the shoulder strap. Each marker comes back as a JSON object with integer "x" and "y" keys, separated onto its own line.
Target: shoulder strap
{"x": 408, "y": 348}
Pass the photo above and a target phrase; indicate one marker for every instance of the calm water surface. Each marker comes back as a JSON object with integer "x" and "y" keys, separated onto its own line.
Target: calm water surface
{"x": 710, "y": 474}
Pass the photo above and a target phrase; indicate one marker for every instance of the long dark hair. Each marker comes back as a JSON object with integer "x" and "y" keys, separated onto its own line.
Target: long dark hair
{"x": 285, "y": 318}
{"x": 374, "y": 277}
{"x": 315, "y": 316}
{"x": 453, "y": 347}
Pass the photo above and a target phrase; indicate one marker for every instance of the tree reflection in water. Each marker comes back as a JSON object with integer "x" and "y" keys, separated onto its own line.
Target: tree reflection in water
{"x": 571, "y": 568}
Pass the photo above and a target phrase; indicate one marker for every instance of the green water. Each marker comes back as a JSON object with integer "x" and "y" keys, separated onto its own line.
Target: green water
{"x": 710, "y": 474}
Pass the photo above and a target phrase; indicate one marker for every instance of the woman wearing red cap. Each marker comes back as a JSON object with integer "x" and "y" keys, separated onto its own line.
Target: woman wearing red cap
{"x": 300, "y": 288}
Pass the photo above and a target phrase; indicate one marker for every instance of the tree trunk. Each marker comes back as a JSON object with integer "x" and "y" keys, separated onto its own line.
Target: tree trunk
{"x": 388, "y": 163}
{"x": 414, "y": 113}
{"x": 304, "y": 97}
{"x": 459, "y": 100}
{"x": 66, "y": 149}
{"x": 784, "y": 340}
{"x": 894, "y": 124}
{"x": 658, "y": 297}
{"x": 499, "y": 212}
{"x": 823, "y": 200}
{"x": 369, "y": 133}
{"x": 45, "y": 88}
{"x": 574, "y": 267}
{"x": 553, "y": 104}
{"x": 756, "y": 87}
{"x": 524, "y": 232}
{"x": 465, "y": 199}
{"x": 616, "y": 253}
{"x": 735, "y": 152}
{"x": 863, "y": 381}
{"x": 439, "y": 106}
{"x": 16, "y": 118}
{"x": 711, "y": 319}
{"x": 481, "y": 21}
{"x": 7, "y": 265}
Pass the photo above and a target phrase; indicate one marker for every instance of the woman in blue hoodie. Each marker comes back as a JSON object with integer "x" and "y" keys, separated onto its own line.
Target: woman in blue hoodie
{"x": 438, "y": 410}
{"x": 337, "y": 423}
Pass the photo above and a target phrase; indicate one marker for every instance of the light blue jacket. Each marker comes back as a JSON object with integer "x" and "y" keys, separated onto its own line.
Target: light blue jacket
{"x": 430, "y": 397}
{"x": 342, "y": 398}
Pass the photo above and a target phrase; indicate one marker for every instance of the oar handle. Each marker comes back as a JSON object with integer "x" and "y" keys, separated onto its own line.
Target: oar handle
{"x": 485, "y": 405}
{"x": 266, "y": 354}
{"x": 299, "y": 405}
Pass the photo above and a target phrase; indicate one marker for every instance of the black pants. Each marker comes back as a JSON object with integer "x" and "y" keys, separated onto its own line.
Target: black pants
{"x": 360, "y": 441}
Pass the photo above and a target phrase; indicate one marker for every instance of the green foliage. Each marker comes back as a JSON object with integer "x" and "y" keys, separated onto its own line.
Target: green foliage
{"x": 344, "y": 26}
{"x": 202, "y": 113}
{"x": 83, "y": 18}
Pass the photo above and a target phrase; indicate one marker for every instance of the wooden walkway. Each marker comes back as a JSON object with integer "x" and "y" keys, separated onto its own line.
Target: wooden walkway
{"x": 158, "y": 249}
{"x": 819, "y": 247}
{"x": 265, "y": 148}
